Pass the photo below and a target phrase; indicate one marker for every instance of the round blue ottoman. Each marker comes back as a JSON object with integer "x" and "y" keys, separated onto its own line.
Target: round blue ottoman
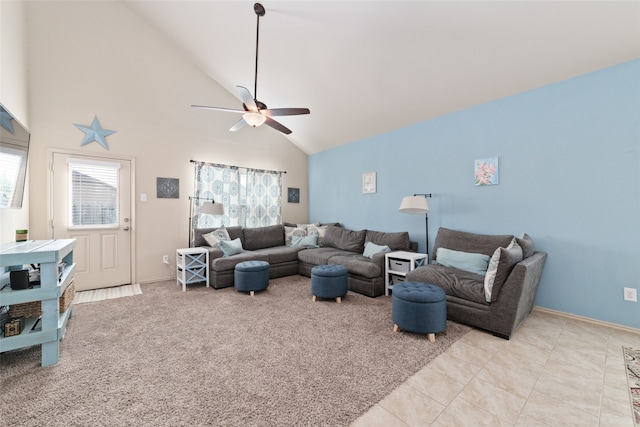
{"x": 250, "y": 276}
{"x": 329, "y": 281}
{"x": 420, "y": 308}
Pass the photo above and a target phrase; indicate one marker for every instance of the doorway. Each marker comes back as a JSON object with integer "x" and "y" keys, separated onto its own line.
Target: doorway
{"x": 91, "y": 202}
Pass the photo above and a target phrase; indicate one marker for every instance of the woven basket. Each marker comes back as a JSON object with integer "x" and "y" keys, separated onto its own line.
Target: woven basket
{"x": 67, "y": 297}
{"x": 34, "y": 308}
{"x": 26, "y": 309}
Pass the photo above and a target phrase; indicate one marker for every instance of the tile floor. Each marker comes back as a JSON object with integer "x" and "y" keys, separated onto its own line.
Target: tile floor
{"x": 555, "y": 371}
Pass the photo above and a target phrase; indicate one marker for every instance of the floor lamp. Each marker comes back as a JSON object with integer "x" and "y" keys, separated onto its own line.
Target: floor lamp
{"x": 417, "y": 204}
{"x": 209, "y": 207}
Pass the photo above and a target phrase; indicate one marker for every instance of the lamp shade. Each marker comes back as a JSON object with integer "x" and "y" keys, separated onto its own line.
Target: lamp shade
{"x": 414, "y": 205}
{"x": 254, "y": 119}
{"x": 212, "y": 208}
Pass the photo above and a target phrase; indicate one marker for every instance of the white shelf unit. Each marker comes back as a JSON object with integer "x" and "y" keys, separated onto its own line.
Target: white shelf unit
{"x": 192, "y": 266}
{"x": 49, "y": 328}
{"x": 398, "y": 264}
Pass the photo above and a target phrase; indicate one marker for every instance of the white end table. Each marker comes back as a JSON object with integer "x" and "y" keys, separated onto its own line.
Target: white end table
{"x": 192, "y": 266}
{"x": 398, "y": 264}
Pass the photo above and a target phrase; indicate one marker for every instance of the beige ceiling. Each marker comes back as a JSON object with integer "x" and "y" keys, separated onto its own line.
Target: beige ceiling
{"x": 369, "y": 67}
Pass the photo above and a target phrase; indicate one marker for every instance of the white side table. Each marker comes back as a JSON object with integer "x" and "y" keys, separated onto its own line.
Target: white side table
{"x": 192, "y": 266}
{"x": 398, "y": 264}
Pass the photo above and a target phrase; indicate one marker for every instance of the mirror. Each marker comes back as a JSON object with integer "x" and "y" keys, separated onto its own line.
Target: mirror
{"x": 14, "y": 150}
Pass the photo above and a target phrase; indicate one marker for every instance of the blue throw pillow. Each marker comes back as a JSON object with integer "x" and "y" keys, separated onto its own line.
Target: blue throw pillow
{"x": 230, "y": 247}
{"x": 371, "y": 249}
{"x": 475, "y": 263}
{"x": 305, "y": 241}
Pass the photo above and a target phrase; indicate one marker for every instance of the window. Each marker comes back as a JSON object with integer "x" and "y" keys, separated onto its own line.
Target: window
{"x": 13, "y": 169}
{"x": 14, "y": 148}
{"x": 93, "y": 195}
{"x": 251, "y": 198}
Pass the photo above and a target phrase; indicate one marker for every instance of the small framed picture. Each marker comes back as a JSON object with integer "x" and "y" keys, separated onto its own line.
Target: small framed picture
{"x": 368, "y": 182}
{"x": 167, "y": 188}
{"x": 293, "y": 195}
{"x": 486, "y": 172}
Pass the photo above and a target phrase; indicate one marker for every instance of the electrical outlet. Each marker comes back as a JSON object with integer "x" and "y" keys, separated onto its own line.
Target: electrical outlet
{"x": 165, "y": 259}
{"x": 630, "y": 294}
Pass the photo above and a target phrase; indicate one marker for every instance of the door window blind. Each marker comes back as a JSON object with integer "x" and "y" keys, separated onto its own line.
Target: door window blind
{"x": 93, "y": 193}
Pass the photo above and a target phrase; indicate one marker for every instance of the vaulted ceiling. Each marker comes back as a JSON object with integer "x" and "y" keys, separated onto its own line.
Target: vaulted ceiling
{"x": 369, "y": 67}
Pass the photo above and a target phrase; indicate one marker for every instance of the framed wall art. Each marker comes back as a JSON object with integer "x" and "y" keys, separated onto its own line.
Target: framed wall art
{"x": 293, "y": 195}
{"x": 368, "y": 182}
{"x": 486, "y": 172}
{"x": 167, "y": 188}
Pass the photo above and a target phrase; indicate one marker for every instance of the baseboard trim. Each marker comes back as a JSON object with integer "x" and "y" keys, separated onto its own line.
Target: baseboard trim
{"x": 587, "y": 319}
{"x": 166, "y": 279}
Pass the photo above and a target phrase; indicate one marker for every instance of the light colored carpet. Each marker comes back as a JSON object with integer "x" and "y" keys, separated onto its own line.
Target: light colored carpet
{"x": 217, "y": 357}
{"x": 632, "y": 363}
{"x": 107, "y": 293}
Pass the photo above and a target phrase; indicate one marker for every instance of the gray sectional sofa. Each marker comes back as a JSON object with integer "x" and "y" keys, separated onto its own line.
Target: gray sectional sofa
{"x": 498, "y": 305}
{"x": 336, "y": 245}
{"x": 260, "y": 244}
{"x": 346, "y": 247}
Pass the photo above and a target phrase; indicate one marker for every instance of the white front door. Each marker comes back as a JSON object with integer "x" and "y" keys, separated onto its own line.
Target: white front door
{"x": 91, "y": 202}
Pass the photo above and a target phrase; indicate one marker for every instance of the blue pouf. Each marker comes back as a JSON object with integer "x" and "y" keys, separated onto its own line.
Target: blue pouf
{"x": 329, "y": 281}
{"x": 420, "y": 308}
{"x": 250, "y": 276}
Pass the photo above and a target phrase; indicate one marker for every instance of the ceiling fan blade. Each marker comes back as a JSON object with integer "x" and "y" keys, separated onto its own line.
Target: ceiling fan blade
{"x": 277, "y": 126}
{"x": 247, "y": 99}
{"x": 227, "y": 110}
{"x": 239, "y": 125}
{"x": 285, "y": 111}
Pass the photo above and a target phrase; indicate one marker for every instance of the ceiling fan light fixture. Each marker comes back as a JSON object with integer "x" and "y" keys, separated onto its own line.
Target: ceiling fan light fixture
{"x": 254, "y": 119}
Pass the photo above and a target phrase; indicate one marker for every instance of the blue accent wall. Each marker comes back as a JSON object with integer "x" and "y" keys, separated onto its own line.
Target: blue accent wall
{"x": 569, "y": 177}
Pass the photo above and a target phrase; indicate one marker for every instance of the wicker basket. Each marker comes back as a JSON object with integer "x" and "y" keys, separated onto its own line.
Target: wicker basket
{"x": 26, "y": 309}
{"x": 67, "y": 297}
{"x": 34, "y": 308}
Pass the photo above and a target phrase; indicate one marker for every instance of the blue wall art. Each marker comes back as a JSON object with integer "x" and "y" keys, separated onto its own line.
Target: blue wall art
{"x": 95, "y": 133}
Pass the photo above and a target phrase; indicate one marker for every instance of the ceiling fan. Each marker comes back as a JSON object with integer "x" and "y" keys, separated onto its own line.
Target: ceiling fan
{"x": 256, "y": 113}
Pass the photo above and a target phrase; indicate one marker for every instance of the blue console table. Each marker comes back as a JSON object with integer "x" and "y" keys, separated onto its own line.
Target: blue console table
{"x": 55, "y": 258}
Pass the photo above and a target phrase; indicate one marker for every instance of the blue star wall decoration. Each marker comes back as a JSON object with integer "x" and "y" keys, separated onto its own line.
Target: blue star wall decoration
{"x": 5, "y": 120}
{"x": 95, "y": 133}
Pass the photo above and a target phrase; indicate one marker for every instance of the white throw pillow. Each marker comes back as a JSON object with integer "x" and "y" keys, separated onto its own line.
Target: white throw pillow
{"x": 305, "y": 226}
{"x": 216, "y": 236}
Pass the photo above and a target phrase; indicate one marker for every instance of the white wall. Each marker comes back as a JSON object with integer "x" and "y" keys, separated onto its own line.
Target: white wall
{"x": 99, "y": 59}
{"x": 13, "y": 95}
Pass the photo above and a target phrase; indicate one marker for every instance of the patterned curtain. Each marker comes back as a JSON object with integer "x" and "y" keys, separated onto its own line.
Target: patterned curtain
{"x": 264, "y": 198}
{"x": 221, "y": 184}
{"x": 251, "y": 198}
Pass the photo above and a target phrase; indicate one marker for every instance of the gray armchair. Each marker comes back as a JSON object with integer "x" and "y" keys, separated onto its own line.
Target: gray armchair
{"x": 466, "y": 302}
